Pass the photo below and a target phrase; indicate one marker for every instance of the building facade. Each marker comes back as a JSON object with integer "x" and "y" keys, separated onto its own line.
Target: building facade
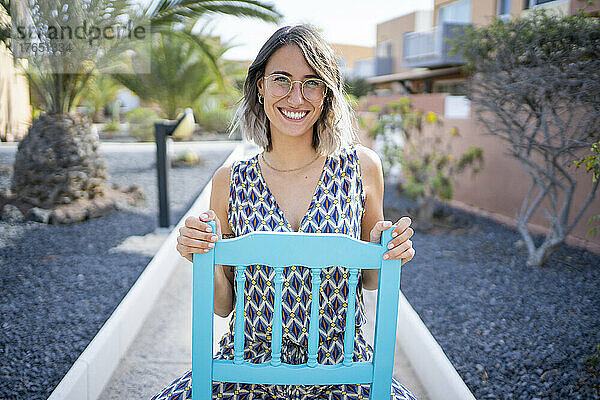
{"x": 423, "y": 70}
{"x": 15, "y": 111}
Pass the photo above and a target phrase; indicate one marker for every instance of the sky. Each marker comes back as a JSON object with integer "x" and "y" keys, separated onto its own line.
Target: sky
{"x": 341, "y": 21}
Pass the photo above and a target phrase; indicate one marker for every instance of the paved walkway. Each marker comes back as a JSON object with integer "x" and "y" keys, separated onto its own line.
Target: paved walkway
{"x": 162, "y": 350}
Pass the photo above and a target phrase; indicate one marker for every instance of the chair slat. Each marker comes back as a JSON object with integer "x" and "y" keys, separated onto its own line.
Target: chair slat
{"x": 313, "y": 327}
{"x": 327, "y": 249}
{"x": 276, "y": 331}
{"x": 288, "y": 374}
{"x": 350, "y": 317}
{"x": 239, "y": 339}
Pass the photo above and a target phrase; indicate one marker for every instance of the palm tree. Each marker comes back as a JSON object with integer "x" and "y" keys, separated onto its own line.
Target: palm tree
{"x": 58, "y": 161}
{"x": 100, "y": 91}
{"x": 179, "y": 72}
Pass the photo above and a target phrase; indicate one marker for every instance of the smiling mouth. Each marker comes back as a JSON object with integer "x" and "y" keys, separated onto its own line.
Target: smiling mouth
{"x": 293, "y": 115}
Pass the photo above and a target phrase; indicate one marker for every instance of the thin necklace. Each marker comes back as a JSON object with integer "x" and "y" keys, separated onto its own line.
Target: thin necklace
{"x": 288, "y": 170}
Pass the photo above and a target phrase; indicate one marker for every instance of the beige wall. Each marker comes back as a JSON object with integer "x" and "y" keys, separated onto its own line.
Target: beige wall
{"x": 500, "y": 187}
{"x": 393, "y": 30}
{"x": 351, "y": 53}
{"x": 482, "y": 11}
{"x": 577, "y": 4}
{"x": 15, "y": 111}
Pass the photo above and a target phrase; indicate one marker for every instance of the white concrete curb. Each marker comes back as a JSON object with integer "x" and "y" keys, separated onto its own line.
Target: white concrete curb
{"x": 428, "y": 360}
{"x": 94, "y": 367}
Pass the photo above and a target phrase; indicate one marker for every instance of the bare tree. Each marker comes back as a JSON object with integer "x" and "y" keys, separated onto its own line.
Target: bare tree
{"x": 536, "y": 85}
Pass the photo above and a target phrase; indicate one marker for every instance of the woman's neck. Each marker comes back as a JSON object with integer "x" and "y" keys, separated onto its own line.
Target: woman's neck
{"x": 291, "y": 151}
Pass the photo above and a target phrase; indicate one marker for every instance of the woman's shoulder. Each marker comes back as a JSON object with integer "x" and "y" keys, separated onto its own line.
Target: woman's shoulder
{"x": 369, "y": 160}
{"x": 223, "y": 173}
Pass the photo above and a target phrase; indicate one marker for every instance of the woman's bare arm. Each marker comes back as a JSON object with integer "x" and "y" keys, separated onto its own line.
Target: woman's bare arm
{"x": 219, "y": 200}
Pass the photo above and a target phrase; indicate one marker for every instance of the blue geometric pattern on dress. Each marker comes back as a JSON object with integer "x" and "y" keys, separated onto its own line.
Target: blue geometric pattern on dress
{"x": 337, "y": 206}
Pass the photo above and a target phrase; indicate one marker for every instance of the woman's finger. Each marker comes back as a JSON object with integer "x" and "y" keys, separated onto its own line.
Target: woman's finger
{"x": 403, "y": 237}
{"x": 405, "y": 255}
{"x": 197, "y": 234}
{"x": 401, "y": 226}
{"x": 380, "y": 226}
{"x": 210, "y": 215}
{"x": 207, "y": 243}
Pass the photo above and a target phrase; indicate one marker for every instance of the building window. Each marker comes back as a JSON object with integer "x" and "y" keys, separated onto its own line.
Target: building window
{"x": 533, "y": 3}
{"x": 458, "y": 12}
{"x": 384, "y": 49}
{"x": 503, "y": 7}
{"x": 452, "y": 87}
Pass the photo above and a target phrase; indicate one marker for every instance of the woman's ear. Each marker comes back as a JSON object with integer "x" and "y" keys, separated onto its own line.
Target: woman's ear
{"x": 260, "y": 85}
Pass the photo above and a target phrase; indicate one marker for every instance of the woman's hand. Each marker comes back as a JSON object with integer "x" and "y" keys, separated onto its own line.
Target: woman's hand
{"x": 400, "y": 247}
{"x": 197, "y": 235}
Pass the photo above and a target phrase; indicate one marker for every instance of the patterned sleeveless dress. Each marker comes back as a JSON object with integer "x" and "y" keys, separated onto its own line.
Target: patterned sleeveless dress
{"x": 337, "y": 206}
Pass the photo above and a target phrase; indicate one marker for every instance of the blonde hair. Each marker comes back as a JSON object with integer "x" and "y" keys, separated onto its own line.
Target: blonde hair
{"x": 334, "y": 129}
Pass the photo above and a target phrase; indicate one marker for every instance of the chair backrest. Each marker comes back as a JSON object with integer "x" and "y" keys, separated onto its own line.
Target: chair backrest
{"x": 314, "y": 251}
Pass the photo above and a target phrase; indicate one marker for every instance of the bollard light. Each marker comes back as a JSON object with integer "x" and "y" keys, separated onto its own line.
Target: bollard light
{"x": 163, "y": 128}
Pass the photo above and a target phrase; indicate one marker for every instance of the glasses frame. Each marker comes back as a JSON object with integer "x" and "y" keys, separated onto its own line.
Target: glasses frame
{"x": 292, "y": 85}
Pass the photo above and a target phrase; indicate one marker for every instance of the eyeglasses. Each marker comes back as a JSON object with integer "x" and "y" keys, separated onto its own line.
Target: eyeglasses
{"x": 279, "y": 86}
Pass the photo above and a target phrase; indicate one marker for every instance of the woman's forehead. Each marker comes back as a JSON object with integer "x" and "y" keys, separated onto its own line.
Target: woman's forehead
{"x": 289, "y": 59}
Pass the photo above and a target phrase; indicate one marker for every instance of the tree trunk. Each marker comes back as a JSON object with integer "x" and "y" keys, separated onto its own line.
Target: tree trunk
{"x": 58, "y": 162}
{"x": 425, "y": 211}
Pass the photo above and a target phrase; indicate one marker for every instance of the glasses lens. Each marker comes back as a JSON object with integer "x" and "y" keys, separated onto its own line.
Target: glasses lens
{"x": 313, "y": 89}
{"x": 278, "y": 85}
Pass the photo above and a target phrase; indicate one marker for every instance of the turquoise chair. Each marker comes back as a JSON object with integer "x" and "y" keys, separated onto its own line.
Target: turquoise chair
{"x": 316, "y": 251}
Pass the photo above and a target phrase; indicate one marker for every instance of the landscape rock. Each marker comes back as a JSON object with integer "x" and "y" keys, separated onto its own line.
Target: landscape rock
{"x": 11, "y": 213}
{"x": 37, "y": 214}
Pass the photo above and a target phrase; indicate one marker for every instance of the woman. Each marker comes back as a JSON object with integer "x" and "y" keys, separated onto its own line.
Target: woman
{"x": 307, "y": 179}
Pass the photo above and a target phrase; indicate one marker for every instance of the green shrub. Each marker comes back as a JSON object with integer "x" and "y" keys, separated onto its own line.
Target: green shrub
{"x": 215, "y": 119}
{"x": 141, "y": 123}
{"x": 111, "y": 126}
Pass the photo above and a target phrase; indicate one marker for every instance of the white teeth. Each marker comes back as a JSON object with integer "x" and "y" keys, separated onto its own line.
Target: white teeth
{"x": 294, "y": 115}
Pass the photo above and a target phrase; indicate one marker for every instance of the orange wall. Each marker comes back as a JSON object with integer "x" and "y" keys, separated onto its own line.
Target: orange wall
{"x": 502, "y": 184}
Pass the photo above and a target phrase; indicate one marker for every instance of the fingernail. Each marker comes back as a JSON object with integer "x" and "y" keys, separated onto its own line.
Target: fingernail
{"x": 214, "y": 238}
{"x": 394, "y": 234}
{"x": 385, "y": 256}
{"x": 211, "y": 245}
{"x": 204, "y": 216}
{"x": 209, "y": 229}
{"x": 390, "y": 245}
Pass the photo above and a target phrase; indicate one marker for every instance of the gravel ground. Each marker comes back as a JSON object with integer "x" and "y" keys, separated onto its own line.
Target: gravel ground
{"x": 59, "y": 284}
{"x": 511, "y": 331}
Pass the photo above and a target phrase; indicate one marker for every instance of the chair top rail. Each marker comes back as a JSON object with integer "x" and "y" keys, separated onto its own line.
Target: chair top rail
{"x": 287, "y": 374}
{"x": 295, "y": 248}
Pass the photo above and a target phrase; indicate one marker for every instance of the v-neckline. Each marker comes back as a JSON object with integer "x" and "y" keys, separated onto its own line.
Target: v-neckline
{"x": 312, "y": 201}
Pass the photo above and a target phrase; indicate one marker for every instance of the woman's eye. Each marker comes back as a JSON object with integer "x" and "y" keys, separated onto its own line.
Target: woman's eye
{"x": 313, "y": 83}
{"x": 280, "y": 79}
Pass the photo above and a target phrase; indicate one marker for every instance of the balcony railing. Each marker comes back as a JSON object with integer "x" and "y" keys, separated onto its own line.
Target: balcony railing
{"x": 384, "y": 66}
{"x": 430, "y": 49}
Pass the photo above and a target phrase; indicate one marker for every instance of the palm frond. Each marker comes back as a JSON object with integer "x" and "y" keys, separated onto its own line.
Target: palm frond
{"x": 168, "y": 12}
{"x": 4, "y": 21}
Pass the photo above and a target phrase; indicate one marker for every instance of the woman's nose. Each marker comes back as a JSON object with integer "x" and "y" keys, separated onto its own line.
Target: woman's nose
{"x": 295, "y": 96}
